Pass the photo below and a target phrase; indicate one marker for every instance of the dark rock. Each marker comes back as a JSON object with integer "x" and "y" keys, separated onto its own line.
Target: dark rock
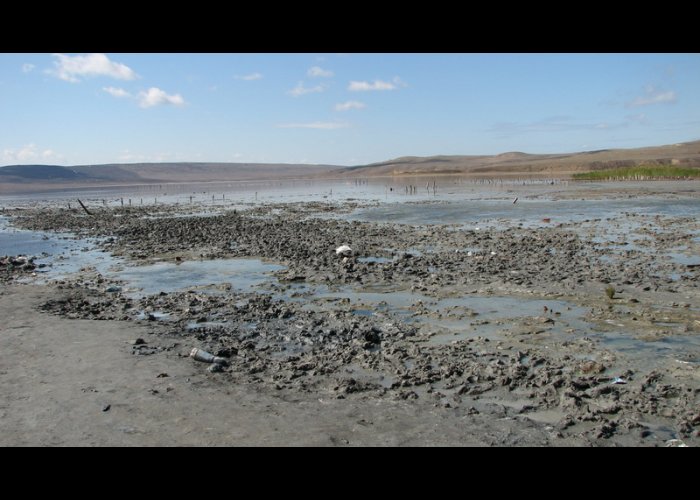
{"x": 227, "y": 352}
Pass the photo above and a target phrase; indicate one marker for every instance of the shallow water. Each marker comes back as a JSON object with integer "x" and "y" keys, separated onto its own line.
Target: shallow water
{"x": 683, "y": 349}
{"x": 502, "y": 212}
{"x": 240, "y": 274}
{"x": 31, "y": 243}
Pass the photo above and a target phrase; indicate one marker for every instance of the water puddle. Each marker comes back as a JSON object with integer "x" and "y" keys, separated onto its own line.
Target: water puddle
{"x": 681, "y": 348}
{"x": 56, "y": 255}
{"x": 493, "y": 317}
{"x": 684, "y": 259}
{"x": 361, "y": 374}
{"x": 240, "y": 274}
{"x": 376, "y": 260}
{"x": 33, "y": 243}
{"x": 528, "y": 212}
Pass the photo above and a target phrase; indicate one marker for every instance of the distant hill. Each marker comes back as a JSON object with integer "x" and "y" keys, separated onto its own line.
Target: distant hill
{"x": 38, "y": 178}
{"x": 32, "y": 173}
{"x": 35, "y": 178}
{"x": 198, "y": 172}
{"x": 516, "y": 163}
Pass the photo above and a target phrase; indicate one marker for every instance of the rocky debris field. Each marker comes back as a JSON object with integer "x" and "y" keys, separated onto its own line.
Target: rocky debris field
{"x": 534, "y": 366}
{"x": 12, "y": 267}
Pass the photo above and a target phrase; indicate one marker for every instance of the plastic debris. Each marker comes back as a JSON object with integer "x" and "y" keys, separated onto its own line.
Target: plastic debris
{"x": 618, "y": 381}
{"x": 206, "y": 357}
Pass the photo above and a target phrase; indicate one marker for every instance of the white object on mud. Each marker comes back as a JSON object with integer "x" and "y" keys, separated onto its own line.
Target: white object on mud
{"x": 675, "y": 443}
{"x": 205, "y": 357}
{"x": 618, "y": 381}
{"x": 343, "y": 250}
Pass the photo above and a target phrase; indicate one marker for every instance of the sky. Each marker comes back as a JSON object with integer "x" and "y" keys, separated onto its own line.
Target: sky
{"x": 340, "y": 109}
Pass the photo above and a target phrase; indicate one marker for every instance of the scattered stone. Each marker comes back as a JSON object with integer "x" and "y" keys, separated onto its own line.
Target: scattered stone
{"x": 309, "y": 345}
{"x": 591, "y": 367}
{"x": 675, "y": 443}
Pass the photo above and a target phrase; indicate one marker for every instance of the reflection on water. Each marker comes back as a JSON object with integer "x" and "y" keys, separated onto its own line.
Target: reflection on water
{"x": 468, "y": 212}
{"x": 240, "y": 274}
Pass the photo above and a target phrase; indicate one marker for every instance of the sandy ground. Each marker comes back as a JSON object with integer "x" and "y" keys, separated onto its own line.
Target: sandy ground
{"x": 59, "y": 376}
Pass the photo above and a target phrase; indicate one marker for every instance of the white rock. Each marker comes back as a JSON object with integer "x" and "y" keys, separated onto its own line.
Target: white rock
{"x": 343, "y": 250}
{"x": 675, "y": 443}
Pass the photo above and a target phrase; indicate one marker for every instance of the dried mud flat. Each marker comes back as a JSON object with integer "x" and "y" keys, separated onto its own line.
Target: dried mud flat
{"x": 426, "y": 335}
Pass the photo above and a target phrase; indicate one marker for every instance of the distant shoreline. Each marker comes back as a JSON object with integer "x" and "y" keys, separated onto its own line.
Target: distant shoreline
{"x": 27, "y": 179}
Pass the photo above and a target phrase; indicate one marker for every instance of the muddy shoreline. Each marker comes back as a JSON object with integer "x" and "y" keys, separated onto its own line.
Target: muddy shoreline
{"x": 507, "y": 324}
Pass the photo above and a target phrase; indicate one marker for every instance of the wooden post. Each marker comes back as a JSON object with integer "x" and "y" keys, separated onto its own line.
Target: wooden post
{"x": 84, "y": 208}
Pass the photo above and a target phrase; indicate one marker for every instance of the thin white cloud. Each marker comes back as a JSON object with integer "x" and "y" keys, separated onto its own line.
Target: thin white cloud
{"x": 356, "y": 86}
{"x": 29, "y": 153}
{"x": 652, "y": 95}
{"x": 116, "y": 92}
{"x": 70, "y": 68}
{"x": 27, "y": 67}
{"x": 250, "y": 77}
{"x": 640, "y": 118}
{"x": 300, "y": 90}
{"x": 317, "y": 125}
{"x": 155, "y": 97}
{"x": 399, "y": 82}
{"x": 348, "y": 105}
{"x": 319, "y": 72}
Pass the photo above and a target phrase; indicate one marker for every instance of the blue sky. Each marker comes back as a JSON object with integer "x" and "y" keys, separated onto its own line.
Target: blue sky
{"x": 344, "y": 109}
